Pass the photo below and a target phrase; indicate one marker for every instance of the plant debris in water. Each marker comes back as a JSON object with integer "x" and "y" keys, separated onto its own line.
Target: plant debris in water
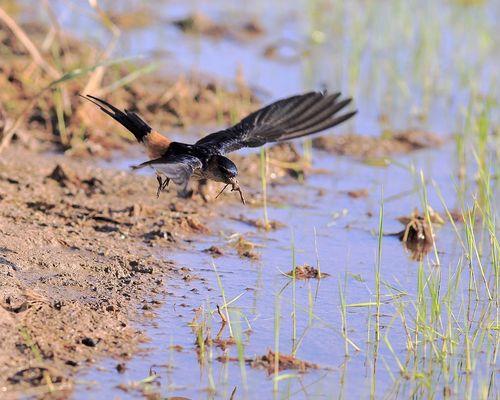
{"x": 418, "y": 236}
{"x": 307, "y": 271}
{"x": 244, "y": 247}
{"x": 214, "y": 251}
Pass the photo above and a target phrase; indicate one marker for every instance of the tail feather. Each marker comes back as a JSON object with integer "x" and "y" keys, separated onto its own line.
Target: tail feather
{"x": 128, "y": 119}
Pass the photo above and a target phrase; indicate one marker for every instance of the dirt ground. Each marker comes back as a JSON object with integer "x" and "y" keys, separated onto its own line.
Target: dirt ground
{"x": 78, "y": 258}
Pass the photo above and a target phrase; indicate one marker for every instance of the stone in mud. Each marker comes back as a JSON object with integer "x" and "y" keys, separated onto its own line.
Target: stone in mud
{"x": 136, "y": 266}
{"x": 89, "y": 342}
{"x": 61, "y": 176}
{"x": 121, "y": 367}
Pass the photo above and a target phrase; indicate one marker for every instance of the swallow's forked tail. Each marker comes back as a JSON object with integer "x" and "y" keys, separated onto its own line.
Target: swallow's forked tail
{"x": 128, "y": 119}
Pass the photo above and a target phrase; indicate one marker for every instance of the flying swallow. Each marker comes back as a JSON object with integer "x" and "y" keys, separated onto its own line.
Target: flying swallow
{"x": 285, "y": 119}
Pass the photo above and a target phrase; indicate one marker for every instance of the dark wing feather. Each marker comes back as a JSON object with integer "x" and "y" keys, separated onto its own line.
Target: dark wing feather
{"x": 282, "y": 120}
{"x": 178, "y": 168}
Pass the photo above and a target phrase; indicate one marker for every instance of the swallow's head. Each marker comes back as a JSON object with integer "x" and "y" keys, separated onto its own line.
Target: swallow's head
{"x": 222, "y": 169}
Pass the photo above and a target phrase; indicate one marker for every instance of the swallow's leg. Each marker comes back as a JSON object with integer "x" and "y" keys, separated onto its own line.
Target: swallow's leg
{"x": 202, "y": 190}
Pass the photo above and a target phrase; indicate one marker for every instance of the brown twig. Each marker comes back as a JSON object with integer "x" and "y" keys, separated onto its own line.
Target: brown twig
{"x": 30, "y": 46}
{"x": 223, "y": 322}
{"x": 94, "y": 83}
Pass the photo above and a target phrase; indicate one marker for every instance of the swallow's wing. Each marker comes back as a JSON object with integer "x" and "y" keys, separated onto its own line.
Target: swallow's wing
{"x": 178, "y": 168}
{"x": 285, "y": 119}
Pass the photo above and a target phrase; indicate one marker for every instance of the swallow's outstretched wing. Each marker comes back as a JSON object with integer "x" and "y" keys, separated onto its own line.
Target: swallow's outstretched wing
{"x": 285, "y": 119}
{"x": 178, "y": 168}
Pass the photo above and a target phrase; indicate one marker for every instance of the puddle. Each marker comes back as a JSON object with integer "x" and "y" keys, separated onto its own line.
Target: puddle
{"x": 422, "y": 74}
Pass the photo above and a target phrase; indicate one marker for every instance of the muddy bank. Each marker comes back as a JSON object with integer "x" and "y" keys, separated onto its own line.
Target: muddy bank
{"x": 78, "y": 258}
{"x": 364, "y": 147}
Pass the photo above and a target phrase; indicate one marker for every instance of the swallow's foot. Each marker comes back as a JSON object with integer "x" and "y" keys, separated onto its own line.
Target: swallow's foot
{"x": 162, "y": 184}
{"x": 165, "y": 184}
{"x": 203, "y": 189}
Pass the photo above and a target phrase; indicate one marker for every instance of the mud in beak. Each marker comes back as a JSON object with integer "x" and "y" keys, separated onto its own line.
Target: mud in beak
{"x": 235, "y": 187}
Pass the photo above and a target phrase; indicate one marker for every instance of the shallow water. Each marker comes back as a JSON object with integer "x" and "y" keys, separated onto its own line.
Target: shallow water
{"x": 346, "y": 244}
{"x": 405, "y": 66}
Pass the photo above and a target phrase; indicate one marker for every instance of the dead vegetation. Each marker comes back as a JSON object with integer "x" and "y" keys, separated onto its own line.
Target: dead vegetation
{"x": 306, "y": 271}
{"x": 40, "y": 108}
{"x": 418, "y": 235}
{"x": 244, "y": 247}
{"x": 358, "y": 193}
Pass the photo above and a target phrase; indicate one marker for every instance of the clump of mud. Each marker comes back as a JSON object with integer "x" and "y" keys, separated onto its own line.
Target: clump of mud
{"x": 260, "y": 223}
{"x": 201, "y": 24}
{"x": 284, "y": 361}
{"x": 368, "y": 147}
{"x": 358, "y": 193}
{"x": 271, "y": 360}
{"x": 214, "y": 251}
{"x": 306, "y": 271}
